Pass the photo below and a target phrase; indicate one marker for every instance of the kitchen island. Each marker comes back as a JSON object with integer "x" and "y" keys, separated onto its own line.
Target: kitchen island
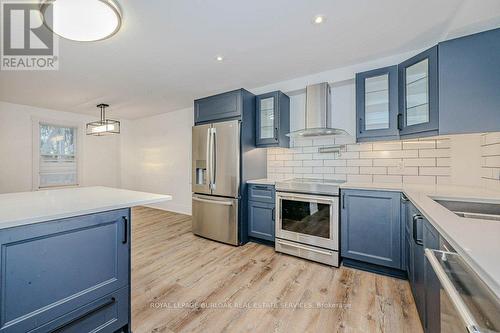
{"x": 65, "y": 259}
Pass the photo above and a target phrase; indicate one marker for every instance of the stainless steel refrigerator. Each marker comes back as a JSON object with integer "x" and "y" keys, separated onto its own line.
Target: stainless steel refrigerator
{"x": 216, "y": 181}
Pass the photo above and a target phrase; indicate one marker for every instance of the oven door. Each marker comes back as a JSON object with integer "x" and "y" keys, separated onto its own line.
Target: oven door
{"x": 308, "y": 219}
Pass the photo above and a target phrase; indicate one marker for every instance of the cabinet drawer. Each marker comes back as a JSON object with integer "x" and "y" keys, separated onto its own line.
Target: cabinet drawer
{"x": 52, "y": 268}
{"x": 106, "y": 314}
{"x": 262, "y": 193}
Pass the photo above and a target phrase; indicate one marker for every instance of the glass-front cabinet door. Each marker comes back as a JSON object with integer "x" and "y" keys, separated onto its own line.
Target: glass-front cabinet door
{"x": 377, "y": 104}
{"x": 267, "y": 118}
{"x": 418, "y": 94}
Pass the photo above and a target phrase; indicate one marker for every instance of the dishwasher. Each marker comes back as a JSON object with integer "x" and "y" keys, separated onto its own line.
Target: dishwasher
{"x": 466, "y": 303}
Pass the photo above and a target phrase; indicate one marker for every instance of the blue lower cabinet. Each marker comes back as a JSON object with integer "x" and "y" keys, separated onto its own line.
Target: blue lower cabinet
{"x": 432, "y": 284}
{"x": 261, "y": 220}
{"x": 50, "y": 270}
{"x": 371, "y": 228}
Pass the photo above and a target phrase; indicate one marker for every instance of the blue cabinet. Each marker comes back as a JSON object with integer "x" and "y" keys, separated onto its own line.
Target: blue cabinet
{"x": 272, "y": 120}
{"x": 432, "y": 284}
{"x": 261, "y": 212}
{"x": 65, "y": 272}
{"x": 221, "y": 107}
{"x": 469, "y": 77}
{"x": 377, "y": 104}
{"x": 371, "y": 228}
{"x": 261, "y": 220}
{"x": 418, "y": 95}
{"x": 416, "y": 246}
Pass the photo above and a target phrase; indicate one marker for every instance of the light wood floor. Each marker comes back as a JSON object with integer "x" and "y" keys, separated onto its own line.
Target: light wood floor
{"x": 183, "y": 283}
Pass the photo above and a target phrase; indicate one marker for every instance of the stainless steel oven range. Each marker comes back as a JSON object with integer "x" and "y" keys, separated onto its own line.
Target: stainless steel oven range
{"x": 307, "y": 219}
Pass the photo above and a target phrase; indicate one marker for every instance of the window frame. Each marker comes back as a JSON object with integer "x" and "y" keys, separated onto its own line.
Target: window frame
{"x": 36, "y": 122}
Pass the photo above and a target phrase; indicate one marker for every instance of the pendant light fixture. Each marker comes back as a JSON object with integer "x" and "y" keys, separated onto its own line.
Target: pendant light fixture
{"x": 103, "y": 126}
{"x": 82, "y": 20}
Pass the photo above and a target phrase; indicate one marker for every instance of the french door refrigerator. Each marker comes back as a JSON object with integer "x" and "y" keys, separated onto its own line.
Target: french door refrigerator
{"x": 216, "y": 181}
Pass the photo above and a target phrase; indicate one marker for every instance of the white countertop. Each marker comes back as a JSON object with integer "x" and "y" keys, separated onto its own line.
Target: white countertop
{"x": 31, "y": 207}
{"x": 262, "y": 181}
{"x": 477, "y": 241}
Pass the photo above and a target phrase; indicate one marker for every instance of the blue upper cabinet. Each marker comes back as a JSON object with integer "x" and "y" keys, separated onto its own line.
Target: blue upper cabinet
{"x": 469, "y": 81}
{"x": 221, "y": 107}
{"x": 272, "y": 120}
{"x": 377, "y": 104}
{"x": 418, "y": 95}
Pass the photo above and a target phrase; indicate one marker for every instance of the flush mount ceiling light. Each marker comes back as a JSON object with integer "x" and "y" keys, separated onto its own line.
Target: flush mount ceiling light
{"x": 103, "y": 126}
{"x": 82, "y": 20}
{"x": 219, "y": 58}
{"x": 318, "y": 19}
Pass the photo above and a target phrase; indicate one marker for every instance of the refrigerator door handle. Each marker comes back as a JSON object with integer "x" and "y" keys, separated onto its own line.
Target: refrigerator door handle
{"x": 215, "y": 202}
{"x": 214, "y": 158}
{"x": 209, "y": 156}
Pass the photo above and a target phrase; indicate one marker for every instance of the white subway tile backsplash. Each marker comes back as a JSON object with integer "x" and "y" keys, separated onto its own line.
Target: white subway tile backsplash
{"x": 389, "y": 154}
{"x": 303, "y": 170}
{"x": 434, "y": 171}
{"x": 434, "y": 153}
{"x": 419, "y": 161}
{"x": 360, "y": 178}
{"x": 360, "y": 147}
{"x": 419, "y": 144}
{"x": 334, "y": 162}
{"x": 347, "y": 170}
{"x": 419, "y": 180}
{"x": 392, "y": 145}
{"x": 387, "y": 162}
{"x": 443, "y": 161}
{"x": 408, "y": 162}
{"x": 284, "y": 157}
{"x": 323, "y": 170}
{"x": 302, "y": 156}
{"x": 373, "y": 170}
{"x": 359, "y": 162}
{"x": 312, "y": 163}
{"x": 406, "y": 171}
{"x": 292, "y": 163}
{"x": 490, "y": 160}
{"x": 387, "y": 179}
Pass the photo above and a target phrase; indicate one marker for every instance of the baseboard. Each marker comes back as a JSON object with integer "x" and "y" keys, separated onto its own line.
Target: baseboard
{"x": 392, "y": 272}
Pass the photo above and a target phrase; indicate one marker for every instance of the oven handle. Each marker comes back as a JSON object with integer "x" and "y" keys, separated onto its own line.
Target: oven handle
{"x": 304, "y": 248}
{"x": 309, "y": 198}
{"x": 452, "y": 292}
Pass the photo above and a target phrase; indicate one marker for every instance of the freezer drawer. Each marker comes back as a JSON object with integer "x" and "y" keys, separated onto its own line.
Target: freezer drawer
{"x": 216, "y": 218}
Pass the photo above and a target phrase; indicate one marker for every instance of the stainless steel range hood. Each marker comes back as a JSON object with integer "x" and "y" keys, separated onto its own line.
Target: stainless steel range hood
{"x": 318, "y": 106}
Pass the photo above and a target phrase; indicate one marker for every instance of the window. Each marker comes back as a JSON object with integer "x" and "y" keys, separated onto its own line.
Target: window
{"x": 57, "y": 155}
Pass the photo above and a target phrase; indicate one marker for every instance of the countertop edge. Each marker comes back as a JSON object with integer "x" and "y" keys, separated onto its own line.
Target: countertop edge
{"x": 100, "y": 209}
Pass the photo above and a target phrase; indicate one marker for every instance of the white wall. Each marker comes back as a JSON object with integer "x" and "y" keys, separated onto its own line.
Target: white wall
{"x": 156, "y": 157}
{"x": 101, "y": 155}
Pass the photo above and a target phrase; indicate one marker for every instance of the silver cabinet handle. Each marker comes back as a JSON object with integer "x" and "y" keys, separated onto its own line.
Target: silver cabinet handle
{"x": 452, "y": 292}
{"x": 215, "y": 202}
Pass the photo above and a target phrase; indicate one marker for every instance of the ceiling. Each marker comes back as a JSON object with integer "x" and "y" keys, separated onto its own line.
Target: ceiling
{"x": 164, "y": 56}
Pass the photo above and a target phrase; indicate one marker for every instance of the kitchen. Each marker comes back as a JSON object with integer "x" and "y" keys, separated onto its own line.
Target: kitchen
{"x": 274, "y": 176}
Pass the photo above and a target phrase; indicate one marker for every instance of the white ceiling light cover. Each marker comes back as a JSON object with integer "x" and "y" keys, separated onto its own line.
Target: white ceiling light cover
{"x": 83, "y": 20}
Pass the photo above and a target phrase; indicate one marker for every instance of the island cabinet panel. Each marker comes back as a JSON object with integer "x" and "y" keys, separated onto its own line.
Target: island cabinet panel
{"x": 51, "y": 269}
{"x": 371, "y": 229}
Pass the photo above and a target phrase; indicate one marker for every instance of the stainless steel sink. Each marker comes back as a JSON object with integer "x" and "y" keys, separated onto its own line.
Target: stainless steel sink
{"x": 473, "y": 210}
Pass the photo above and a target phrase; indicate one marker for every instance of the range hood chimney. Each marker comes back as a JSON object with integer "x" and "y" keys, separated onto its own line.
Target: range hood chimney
{"x": 318, "y": 106}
